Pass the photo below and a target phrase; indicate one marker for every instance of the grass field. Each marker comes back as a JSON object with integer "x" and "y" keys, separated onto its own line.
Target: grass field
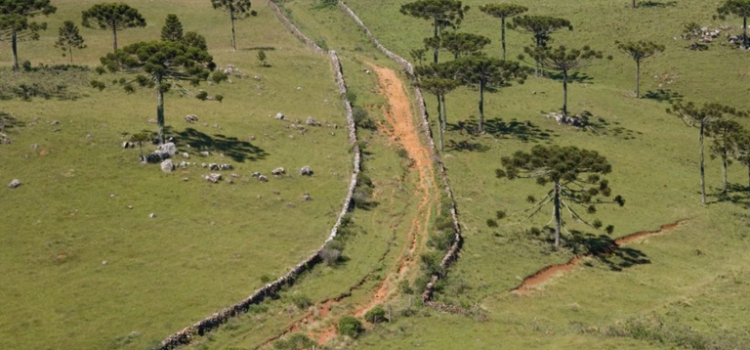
{"x": 209, "y": 245}
{"x": 654, "y": 157}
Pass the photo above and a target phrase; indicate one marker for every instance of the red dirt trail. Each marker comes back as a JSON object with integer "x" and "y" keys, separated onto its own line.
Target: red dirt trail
{"x": 403, "y": 130}
{"x": 546, "y": 274}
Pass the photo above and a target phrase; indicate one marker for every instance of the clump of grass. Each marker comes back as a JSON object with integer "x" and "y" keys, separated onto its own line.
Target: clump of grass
{"x": 296, "y": 341}
{"x": 350, "y": 327}
{"x": 376, "y": 315}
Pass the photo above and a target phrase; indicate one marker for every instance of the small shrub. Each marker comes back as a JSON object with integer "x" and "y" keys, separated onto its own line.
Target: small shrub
{"x": 405, "y": 287}
{"x": 219, "y": 76}
{"x": 362, "y": 118}
{"x": 257, "y": 309}
{"x": 301, "y": 301}
{"x": 219, "y": 98}
{"x": 294, "y": 342}
{"x": 262, "y": 58}
{"x": 375, "y": 315}
{"x": 331, "y": 253}
{"x": 491, "y": 223}
{"x": 352, "y": 97}
{"x": 402, "y": 153}
{"x": 202, "y": 95}
{"x": 265, "y": 279}
{"x": 350, "y": 327}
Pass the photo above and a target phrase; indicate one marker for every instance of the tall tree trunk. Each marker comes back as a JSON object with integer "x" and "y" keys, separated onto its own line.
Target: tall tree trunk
{"x": 634, "y": 4}
{"x": 702, "y": 166}
{"x": 234, "y": 39}
{"x": 565, "y": 93}
{"x": 160, "y": 108}
{"x": 437, "y": 47}
{"x": 503, "y": 36}
{"x": 440, "y": 122}
{"x": 748, "y": 175}
{"x": 724, "y": 166}
{"x": 744, "y": 32}
{"x": 14, "y": 47}
{"x": 637, "y": 78}
{"x": 536, "y": 60}
{"x": 481, "y": 107}
{"x": 445, "y": 116}
{"x": 114, "y": 36}
{"x": 70, "y": 53}
{"x": 558, "y": 216}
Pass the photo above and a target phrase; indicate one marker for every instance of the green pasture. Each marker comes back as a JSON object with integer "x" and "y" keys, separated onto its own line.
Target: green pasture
{"x": 81, "y": 268}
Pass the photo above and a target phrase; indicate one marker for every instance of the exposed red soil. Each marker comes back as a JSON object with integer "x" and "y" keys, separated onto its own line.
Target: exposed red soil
{"x": 546, "y": 274}
{"x": 402, "y": 130}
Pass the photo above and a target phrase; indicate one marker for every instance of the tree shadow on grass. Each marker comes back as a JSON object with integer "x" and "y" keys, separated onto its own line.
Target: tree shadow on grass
{"x": 601, "y": 126}
{"x": 8, "y": 121}
{"x": 656, "y": 4}
{"x": 736, "y": 194}
{"x": 467, "y": 146}
{"x": 231, "y": 147}
{"x": 604, "y": 249}
{"x": 523, "y": 131}
{"x": 576, "y": 77}
{"x": 258, "y": 48}
{"x": 662, "y": 95}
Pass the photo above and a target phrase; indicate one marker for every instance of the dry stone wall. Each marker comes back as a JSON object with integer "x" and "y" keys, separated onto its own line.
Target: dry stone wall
{"x": 187, "y": 334}
{"x": 455, "y": 248}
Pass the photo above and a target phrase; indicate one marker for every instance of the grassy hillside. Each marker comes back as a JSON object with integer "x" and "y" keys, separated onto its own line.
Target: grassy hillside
{"x": 654, "y": 157}
{"x": 81, "y": 270}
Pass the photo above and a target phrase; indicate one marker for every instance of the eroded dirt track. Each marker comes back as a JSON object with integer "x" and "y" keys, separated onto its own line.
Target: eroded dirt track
{"x": 403, "y": 130}
{"x": 546, "y": 274}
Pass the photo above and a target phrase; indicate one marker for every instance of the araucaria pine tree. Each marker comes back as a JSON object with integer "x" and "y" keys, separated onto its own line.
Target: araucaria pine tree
{"x": 112, "y": 16}
{"x": 739, "y": 8}
{"x": 464, "y": 44}
{"x": 574, "y": 176}
{"x": 442, "y": 13}
{"x": 541, "y": 28}
{"x": 437, "y": 80}
{"x": 165, "y": 65}
{"x": 701, "y": 118}
{"x": 742, "y": 151}
{"x": 724, "y": 134}
{"x": 172, "y": 30}
{"x": 503, "y": 11}
{"x": 15, "y": 24}
{"x": 564, "y": 60}
{"x": 69, "y": 39}
{"x": 485, "y": 72}
{"x": 238, "y": 9}
{"x": 639, "y": 51}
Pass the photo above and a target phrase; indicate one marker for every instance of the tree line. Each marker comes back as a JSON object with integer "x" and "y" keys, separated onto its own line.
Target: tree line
{"x": 575, "y": 174}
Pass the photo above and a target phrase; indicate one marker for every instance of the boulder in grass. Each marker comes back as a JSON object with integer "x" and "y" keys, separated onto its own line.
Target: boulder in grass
{"x": 213, "y": 178}
{"x": 280, "y": 116}
{"x": 191, "y": 118}
{"x": 15, "y": 183}
{"x": 278, "y": 171}
{"x": 167, "y": 166}
{"x": 306, "y": 171}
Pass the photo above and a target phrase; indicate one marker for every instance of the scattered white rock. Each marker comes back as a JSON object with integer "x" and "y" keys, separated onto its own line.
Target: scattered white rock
{"x": 152, "y": 215}
{"x": 278, "y": 171}
{"x": 185, "y": 155}
{"x": 54, "y": 122}
{"x": 15, "y": 183}
{"x": 306, "y": 171}
{"x": 213, "y": 178}
{"x": 191, "y": 118}
{"x": 167, "y": 166}
{"x": 280, "y": 116}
